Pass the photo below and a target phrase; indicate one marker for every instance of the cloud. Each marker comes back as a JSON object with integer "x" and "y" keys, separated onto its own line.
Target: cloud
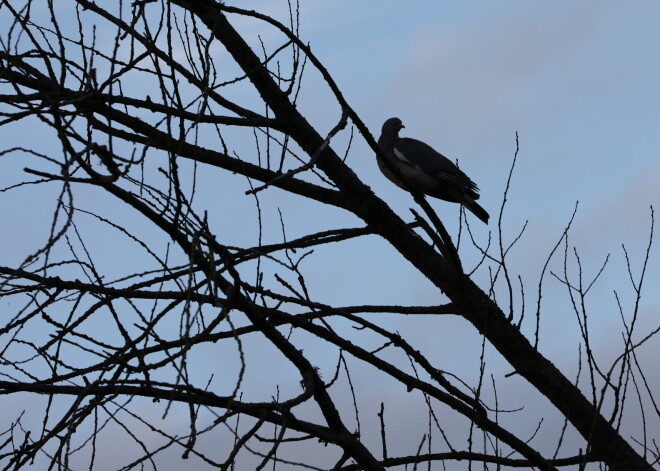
{"x": 622, "y": 216}
{"x": 522, "y": 68}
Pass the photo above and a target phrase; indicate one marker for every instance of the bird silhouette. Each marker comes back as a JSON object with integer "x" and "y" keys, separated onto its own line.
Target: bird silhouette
{"x": 417, "y": 167}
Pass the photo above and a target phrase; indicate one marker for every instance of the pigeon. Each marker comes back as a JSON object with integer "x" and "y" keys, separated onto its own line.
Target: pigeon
{"x": 417, "y": 167}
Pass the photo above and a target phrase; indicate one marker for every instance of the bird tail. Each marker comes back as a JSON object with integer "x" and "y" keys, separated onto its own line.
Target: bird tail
{"x": 477, "y": 210}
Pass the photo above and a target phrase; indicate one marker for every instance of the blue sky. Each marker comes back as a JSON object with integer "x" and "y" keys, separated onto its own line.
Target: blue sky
{"x": 579, "y": 82}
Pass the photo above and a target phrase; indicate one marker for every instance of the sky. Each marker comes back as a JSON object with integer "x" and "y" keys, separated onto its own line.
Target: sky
{"x": 578, "y": 83}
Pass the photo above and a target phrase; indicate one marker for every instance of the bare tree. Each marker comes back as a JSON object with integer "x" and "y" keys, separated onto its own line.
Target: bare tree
{"x": 117, "y": 323}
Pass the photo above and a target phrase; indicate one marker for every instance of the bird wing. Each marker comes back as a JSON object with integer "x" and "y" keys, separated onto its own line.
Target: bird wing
{"x": 424, "y": 158}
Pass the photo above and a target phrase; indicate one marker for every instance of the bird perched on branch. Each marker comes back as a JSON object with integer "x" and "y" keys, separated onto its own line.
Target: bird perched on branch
{"x": 417, "y": 167}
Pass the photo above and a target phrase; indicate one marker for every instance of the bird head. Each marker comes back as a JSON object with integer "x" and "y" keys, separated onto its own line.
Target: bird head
{"x": 392, "y": 126}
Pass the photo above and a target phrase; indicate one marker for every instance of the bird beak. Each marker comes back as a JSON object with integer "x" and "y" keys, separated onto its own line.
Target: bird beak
{"x": 402, "y": 126}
